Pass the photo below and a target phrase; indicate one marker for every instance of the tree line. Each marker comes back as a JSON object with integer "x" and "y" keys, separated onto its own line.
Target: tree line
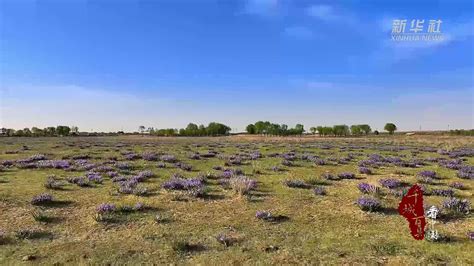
{"x": 213, "y": 129}
{"x": 38, "y": 132}
{"x": 268, "y": 128}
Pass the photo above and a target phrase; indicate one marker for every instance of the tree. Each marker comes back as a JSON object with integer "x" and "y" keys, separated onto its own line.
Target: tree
{"x": 27, "y": 132}
{"x": 10, "y": 132}
{"x": 215, "y": 129}
{"x": 37, "y": 132}
{"x": 192, "y": 130}
{"x": 365, "y": 128}
{"x": 299, "y": 129}
{"x": 63, "y": 130}
{"x": 356, "y": 130}
{"x": 250, "y": 129}
{"x": 50, "y": 131}
{"x": 202, "y": 130}
{"x": 390, "y": 127}
{"x": 261, "y": 127}
{"x": 341, "y": 130}
{"x": 141, "y": 129}
{"x": 313, "y": 130}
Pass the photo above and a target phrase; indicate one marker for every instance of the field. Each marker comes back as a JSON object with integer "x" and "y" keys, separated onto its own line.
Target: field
{"x": 250, "y": 200}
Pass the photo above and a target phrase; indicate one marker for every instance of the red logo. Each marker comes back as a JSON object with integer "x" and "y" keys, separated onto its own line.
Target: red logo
{"x": 411, "y": 207}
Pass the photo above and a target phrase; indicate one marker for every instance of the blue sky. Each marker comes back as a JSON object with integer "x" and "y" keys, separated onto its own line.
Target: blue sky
{"x": 115, "y": 65}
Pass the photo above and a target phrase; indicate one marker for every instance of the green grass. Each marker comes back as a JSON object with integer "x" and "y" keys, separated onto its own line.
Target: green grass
{"x": 327, "y": 229}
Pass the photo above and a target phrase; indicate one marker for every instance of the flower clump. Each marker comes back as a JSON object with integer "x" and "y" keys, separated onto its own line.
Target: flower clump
{"x": 346, "y": 175}
{"x": 296, "y": 183}
{"x": 263, "y": 215}
{"x": 368, "y": 188}
{"x": 365, "y": 170}
{"x": 319, "y": 190}
{"x": 443, "y": 192}
{"x": 368, "y": 204}
{"x": 466, "y": 172}
{"x": 457, "y": 206}
{"x": 195, "y": 187}
{"x": 42, "y": 199}
{"x": 390, "y": 183}
{"x": 241, "y": 185}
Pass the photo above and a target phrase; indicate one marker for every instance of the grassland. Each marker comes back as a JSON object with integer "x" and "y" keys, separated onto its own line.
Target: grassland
{"x": 327, "y": 229}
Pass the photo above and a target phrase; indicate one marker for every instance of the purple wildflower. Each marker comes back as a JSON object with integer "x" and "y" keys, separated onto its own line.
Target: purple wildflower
{"x": 390, "y": 183}
{"x": 263, "y": 215}
{"x": 319, "y": 190}
{"x": 123, "y": 166}
{"x": 42, "y": 199}
{"x": 368, "y": 188}
{"x": 150, "y": 156}
{"x": 168, "y": 158}
{"x": 466, "y": 172}
{"x": 183, "y": 166}
{"x": 105, "y": 208}
{"x": 346, "y": 175}
{"x": 296, "y": 183}
{"x": 427, "y": 173}
{"x": 470, "y": 235}
{"x": 329, "y": 176}
{"x": 443, "y": 192}
{"x": 457, "y": 185}
{"x": 131, "y": 156}
{"x": 458, "y": 206}
{"x": 94, "y": 177}
{"x": 368, "y": 204}
{"x": 365, "y": 170}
